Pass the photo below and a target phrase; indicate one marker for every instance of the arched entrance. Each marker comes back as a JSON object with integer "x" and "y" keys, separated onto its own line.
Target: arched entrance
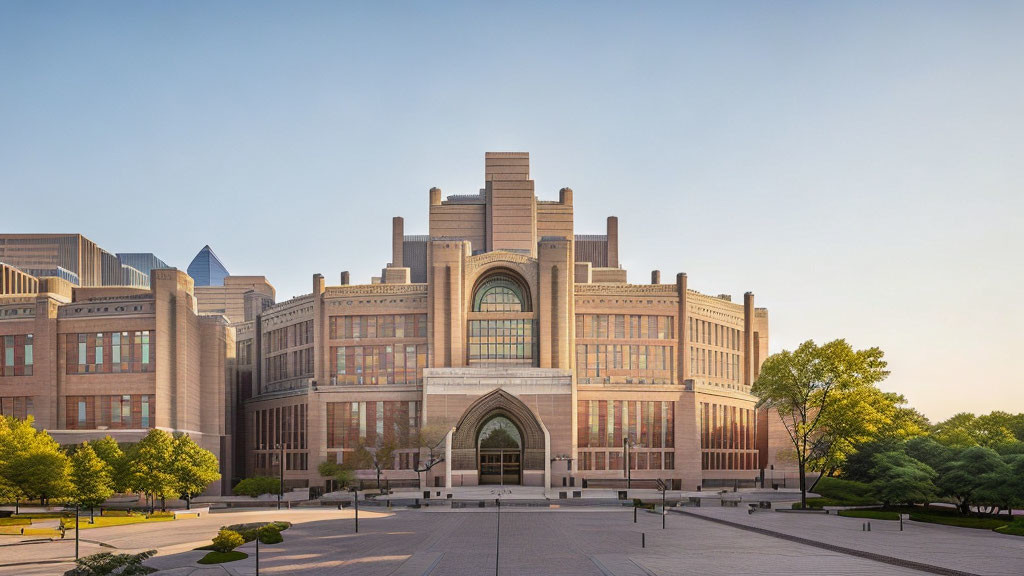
{"x": 499, "y": 452}
{"x": 500, "y": 441}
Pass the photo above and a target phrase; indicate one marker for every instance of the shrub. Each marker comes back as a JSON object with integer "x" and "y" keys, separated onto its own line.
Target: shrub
{"x": 108, "y": 563}
{"x": 840, "y": 492}
{"x": 257, "y": 485}
{"x": 269, "y": 534}
{"x": 159, "y": 514}
{"x": 116, "y": 513}
{"x": 248, "y": 531}
{"x": 227, "y": 540}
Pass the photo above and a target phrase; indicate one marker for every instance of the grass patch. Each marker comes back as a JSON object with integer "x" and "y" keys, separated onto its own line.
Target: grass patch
{"x": 1015, "y": 528}
{"x": 15, "y": 521}
{"x": 222, "y": 557}
{"x": 105, "y": 521}
{"x": 870, "y": 514}
{"x": 944, "y": 516}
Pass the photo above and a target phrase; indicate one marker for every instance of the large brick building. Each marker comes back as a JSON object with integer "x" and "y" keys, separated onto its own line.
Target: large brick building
{"x": 503, "y": 319}
{"x": 517, "y": 343}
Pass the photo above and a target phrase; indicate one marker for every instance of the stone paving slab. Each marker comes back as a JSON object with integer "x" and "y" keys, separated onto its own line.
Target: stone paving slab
{"x": 968, "y": 550}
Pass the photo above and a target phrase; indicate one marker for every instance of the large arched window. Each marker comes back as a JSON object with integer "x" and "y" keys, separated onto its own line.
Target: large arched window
{"x": 501, "y": 329}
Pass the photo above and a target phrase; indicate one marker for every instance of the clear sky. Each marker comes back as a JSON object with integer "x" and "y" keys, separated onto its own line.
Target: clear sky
{"x": 858, "y": 166}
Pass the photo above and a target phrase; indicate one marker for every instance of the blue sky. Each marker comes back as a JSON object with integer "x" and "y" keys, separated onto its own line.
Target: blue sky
{"x": 858, "y": 166}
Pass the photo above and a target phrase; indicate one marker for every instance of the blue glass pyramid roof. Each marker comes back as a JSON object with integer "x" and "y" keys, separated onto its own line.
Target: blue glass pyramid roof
{"x": 206, "y": 269}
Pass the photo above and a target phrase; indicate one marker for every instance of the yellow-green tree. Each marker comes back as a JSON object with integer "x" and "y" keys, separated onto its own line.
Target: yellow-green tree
{"x": 194, "y": 467}
{"x": 150, "y": 462}
{"x": 803, "y": 387}
{"x": 32, "y": 465}
{"x": 90, "y": 478}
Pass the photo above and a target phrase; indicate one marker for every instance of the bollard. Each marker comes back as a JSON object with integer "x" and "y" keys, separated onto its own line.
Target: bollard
{"x": 863, "y": 526}
{"x": 643, "y": 540}
{"x": 869, "y": 526}
{"x": 634, "y": 514}
{"x": 901, "y": 522}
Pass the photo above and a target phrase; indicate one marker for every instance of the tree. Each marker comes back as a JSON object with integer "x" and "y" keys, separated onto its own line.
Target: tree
{"x": 964, "y": 478}
{"x": 430, "y": 439}
{"x": 1003, "y": 486}
{"x": 342, "y": 475}
{"x": 194, "y": 468}
{"x": 965, "y": 429}
{"x": 899, "y": 479}
{"x": 257, "y": 485}
{"x": 860, "y": 415}
{"x": 377, "y": 454}
{"x": 859, "y": 465}
{"x": 111, "y": 453}
{"x": 32, "y": 465}
{"x": 150, "y": 462}
{"x": 930, "y": 452}
{"x": 801, "y": 387}
{"x": 90, "y": 478}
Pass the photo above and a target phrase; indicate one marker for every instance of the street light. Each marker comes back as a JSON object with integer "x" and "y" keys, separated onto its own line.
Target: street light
{"x": 627, "y": 471}
{"x": 280, "y": 491}
{"x": 497, "y": 539}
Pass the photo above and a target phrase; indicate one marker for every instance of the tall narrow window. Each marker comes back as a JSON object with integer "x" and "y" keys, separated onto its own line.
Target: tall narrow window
{"x": 145, "y": 348}
{"x": 81, "y": 413}
{"x": 145, "y": 411}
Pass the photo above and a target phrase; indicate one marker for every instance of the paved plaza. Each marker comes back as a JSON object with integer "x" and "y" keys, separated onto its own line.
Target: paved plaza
{"x": 598, "y": 541}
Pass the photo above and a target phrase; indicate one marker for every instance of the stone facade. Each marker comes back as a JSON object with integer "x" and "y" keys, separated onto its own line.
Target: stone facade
{"x": 503, "y": 312}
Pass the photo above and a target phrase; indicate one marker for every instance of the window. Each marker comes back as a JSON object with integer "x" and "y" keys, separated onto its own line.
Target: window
{"x": 499, "y": 294}
{"x": 81, "y": 413}
{"x": 145, "y": 411}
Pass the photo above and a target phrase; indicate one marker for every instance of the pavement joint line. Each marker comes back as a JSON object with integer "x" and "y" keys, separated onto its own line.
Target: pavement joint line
{"x": 604, "y": 570}
{"x": 433, "y": 564}
{"x": 891, "y": 560}
{"x": 642, "y": 568}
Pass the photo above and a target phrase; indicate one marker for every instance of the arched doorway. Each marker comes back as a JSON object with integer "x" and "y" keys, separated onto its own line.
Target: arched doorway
{"x": 499, "y": 452}
{"x": 516, "y": 455}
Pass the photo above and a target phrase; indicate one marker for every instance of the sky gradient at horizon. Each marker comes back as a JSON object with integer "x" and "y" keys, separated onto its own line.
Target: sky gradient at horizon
{"x": 859, "y": 167}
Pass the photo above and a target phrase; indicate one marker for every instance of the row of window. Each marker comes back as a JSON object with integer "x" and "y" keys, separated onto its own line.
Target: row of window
{"x": 352, "y": 423}
{"x": 706, "y": 332}
{"x": 110, "y": 352}
{"x": 280, "y": 424}
{"x": 373, "y": 365}
{"x": 727, "y": 437}
{"x": 747, "y": 460}
{"x": 286, "y": 365}
{"x": 507, "y": 339}
{"x": 619, "y": 361}
{"x": 17, "y": 406}
{"x": 269, "y": 463}
{"x": 121, "y": 411}
{"x": 378, "y": 326}
{"x": 622, "y": 326}
{"x": 715, "y": 364}
{"x": 16, "y": 352}
{"x": 638, "y": 460}
{"x": 604, "y": 423}
{"x": 298, "y": 334}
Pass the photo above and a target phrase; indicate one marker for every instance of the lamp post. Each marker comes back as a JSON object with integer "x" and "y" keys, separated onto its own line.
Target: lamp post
{"x": 627, "y": 471}
{"x": 497, "y": 539}
{"x": 76, "y": 530}
{"x": 355, "y": 500}
{"x": 280, "y": 490}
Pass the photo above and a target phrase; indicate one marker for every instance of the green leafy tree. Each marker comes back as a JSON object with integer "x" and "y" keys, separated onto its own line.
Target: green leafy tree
{"x": 930, "y": 452}
{"x": 257, "y": 486}
{"x": 194, "y": 468}
{"x": 150, "y": 462}
{"x": 899, "y": 479}
{"x": 1002, "y": 488}
{"x": 90, "y": 478}
{"x": 860, "y": 415}
{"x": 859, "y": 464}
{"x": 964, "y": 479}
{"x": 106, "y": 563}
{"x": 965, "y": 430}
{"x": 801, "y": 388}
{"x": 342, "y": 475}
{"x": 32, "y": 465}
{"x": 111, "y": 453}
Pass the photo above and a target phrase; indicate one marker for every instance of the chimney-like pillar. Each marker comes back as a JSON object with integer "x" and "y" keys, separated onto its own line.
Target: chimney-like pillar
{"x": 435, "y": 196}
{"x": 613, "y": 241}
{"x": 682, "y": 338}
{"x": 655, "y": 276}
{"x": 748, "y": 339}
{"x": 344, "y": 279}
{"x": 397, "y": 241}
